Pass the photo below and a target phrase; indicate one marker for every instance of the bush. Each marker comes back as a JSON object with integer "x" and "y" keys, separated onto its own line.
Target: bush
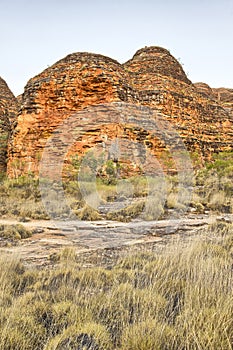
{"x": 126, "y": 214}
{"x": 90, "y": 336}
{"x": 14, "y": 232}
{"x": 88, "y": 213}
{"x": 149, "y": 334}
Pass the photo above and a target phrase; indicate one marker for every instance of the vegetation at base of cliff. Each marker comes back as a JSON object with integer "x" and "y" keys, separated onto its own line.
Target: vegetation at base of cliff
{"x": 180, "y": 298}
{"x": 145, "y": 197}
{"x": 214, "y": 184}
{"x": 21, "y": 198}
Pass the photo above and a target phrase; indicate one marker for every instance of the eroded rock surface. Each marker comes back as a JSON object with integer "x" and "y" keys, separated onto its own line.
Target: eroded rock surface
{"x": 102, "y": 237}
{"x": 225, "y": 97}
{"x": 153, "y": 77}
{"x": 8, "y": 111}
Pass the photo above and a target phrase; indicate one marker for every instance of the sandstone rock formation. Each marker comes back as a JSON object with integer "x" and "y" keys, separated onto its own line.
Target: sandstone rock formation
{"x": 153, "y": 77}
{"x": 162, "y": 84}
{"x": 225, "y": 98}
{"x": 8, "y": 111}
{"x": 205, "y": 90}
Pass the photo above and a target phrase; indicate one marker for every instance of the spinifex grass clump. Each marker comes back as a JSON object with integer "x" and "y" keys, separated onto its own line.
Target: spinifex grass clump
{"x": 21, "y": 198}
{"x": 180, "y": 298}
{"x": 214, "y": 183}
{"x": 14, "y": 232}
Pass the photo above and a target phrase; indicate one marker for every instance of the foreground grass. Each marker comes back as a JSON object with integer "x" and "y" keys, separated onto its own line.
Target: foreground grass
{"x": 178, "y": 299}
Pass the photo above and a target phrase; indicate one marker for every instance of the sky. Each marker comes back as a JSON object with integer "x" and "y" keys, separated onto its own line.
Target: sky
{"x": 36, "y": 34}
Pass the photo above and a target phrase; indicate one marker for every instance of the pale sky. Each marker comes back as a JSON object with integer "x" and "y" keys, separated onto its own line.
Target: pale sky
{"x": 36, "y": 34}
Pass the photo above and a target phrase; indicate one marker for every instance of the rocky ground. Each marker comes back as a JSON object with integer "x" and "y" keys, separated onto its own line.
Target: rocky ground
{"x": 101, "y": 240}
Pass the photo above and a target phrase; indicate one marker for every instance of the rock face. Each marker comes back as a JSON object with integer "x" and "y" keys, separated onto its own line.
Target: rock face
{"x": 202, "y": 122}
{"x": 225, "y": 98}
{"x": 75, "y": 82}
{"x": 153, "y": 77}
{"x": 156, "y": 61}
{"x": 205, "y": 90}
{"x": 8, "y": 111}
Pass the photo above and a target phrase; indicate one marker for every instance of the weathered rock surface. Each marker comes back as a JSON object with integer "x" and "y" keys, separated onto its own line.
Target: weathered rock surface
{"x": 205, "y": 90}
{"x": 224, "y": 97}
{"x": 8, "y": 111}
{"x": 203, "y": 123}
{"x": 153, "y": 77}
{"x": 105, "y": 237}
{"x": 75, "y": 82}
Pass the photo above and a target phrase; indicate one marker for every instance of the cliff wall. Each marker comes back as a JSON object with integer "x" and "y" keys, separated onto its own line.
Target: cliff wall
{"x": 153, "y": 77}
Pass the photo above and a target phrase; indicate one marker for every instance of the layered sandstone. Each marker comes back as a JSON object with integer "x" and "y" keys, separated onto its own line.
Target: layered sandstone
{"x": 204, "y": 124}
{"x": 153, "y": 78}
{"x": 8, "y": 111}
{"x": 224, "y": 97}
{"x": 75, "y": 82}
{"x": 205, "y": 90}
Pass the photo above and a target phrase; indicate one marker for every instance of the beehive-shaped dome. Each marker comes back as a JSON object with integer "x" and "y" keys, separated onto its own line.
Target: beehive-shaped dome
{"x": 155, "y": 59}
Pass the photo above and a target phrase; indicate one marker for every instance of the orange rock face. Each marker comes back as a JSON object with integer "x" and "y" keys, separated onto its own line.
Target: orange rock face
{"x": 153, "y": 78}
{"x": 8, "y": 111}
{"x": 205, "y": 90}
{"x": 225, "y": 98}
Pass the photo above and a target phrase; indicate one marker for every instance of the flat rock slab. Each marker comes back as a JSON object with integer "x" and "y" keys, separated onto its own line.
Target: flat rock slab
{"x": 52, "y": 236}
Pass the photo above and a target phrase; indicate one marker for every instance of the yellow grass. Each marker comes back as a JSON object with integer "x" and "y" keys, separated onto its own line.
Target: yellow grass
{"x": 180, "y": 298}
